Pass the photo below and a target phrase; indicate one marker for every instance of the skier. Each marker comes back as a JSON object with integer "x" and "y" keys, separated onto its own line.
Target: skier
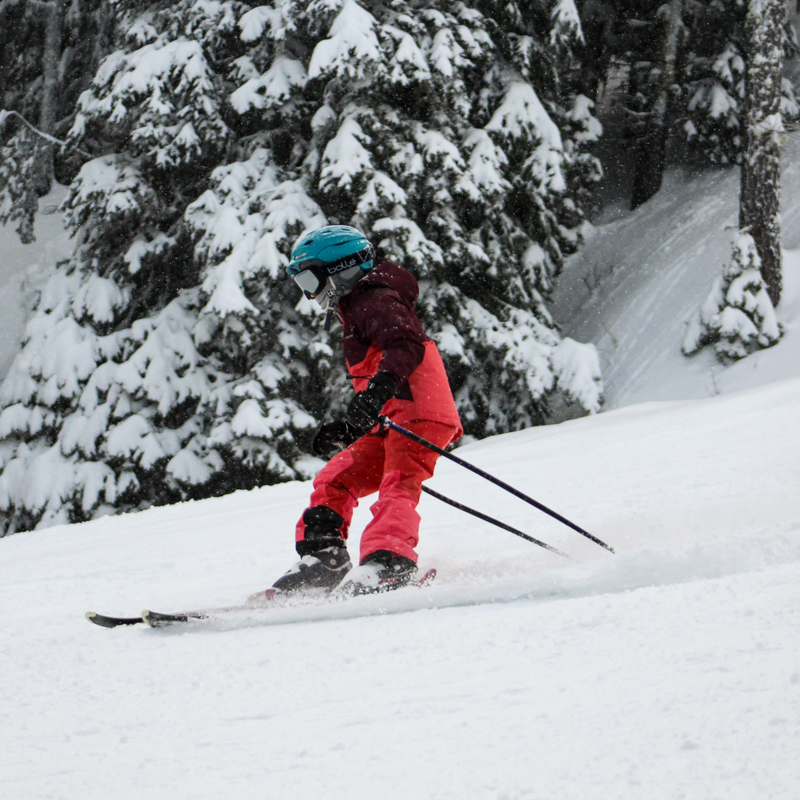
{"x": 397, "y": 372}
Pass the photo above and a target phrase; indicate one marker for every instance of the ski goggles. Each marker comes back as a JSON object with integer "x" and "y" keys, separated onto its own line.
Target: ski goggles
{"x": 313, "y": 275}
{"x": 311, "y": 279}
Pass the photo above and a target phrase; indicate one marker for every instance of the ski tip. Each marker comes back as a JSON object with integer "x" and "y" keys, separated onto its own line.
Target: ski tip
{"x": 111, "y": 622}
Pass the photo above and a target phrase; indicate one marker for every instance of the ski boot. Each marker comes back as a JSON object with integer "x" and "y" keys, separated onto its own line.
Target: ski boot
{"x": 316, "y": 573}
{"x": 324, "y": 559}
{"x": 381, "y": 571}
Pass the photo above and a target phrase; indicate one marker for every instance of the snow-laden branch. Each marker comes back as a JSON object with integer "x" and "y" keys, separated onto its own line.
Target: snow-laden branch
{"x": 4, "y": 115}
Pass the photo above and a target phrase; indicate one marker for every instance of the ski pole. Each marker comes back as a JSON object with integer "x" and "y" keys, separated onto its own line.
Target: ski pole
{"x": 419, "y": 440}
{"x": 492, "y": 520}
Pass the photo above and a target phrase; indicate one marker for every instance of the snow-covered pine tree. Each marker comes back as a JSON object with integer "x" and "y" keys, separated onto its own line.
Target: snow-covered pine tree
{"x": 28, "y": 44}
{"x": 49, "y": 50}
{"x": 444, "y": 133}
{"x": 737, "y": 317}
{"x": 171, "y": 357}
{"x": 713, "y": 89}
{"x": 705, "y": 91}
{"x": 714, "y": 86}
{"x": 99, "y": 407}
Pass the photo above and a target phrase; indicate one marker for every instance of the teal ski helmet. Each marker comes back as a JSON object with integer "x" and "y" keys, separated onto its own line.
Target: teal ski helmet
{"x": 327, "y": 263}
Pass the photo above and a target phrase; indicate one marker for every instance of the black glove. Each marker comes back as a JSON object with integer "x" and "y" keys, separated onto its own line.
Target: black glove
{"x": 365, "y": 408}
{"x": 333, "y": 437}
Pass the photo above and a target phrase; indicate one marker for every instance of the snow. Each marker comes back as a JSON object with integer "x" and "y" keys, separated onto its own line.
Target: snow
{"x": 109, "y": 181}
{"x": 148, "y": 66}
{"x": 273, "y": 88}
{"x": 352, "y": 41}
{"x": 565, "y": 14}
{"x": 188, "y": 467}
{"x": 446, "y": 53}
{"x": 253, "y": 22}
{"x": 345, "y": 157}
{"x": 582, "y": 115}
{"x": 408, "y": 58}
{"x": 100, "y": 298}
{"x": 439, "y": 151}
{"x": 522, "y": 114}
{"x": 380, "y": 188}
{"x": 669, "y": 670}
{"x": 485, "y": 167}
{"x": 421, "y": 250}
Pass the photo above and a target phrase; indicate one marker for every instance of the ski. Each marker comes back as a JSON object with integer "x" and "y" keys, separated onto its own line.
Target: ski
{"x": 154, "y": 619}
{"x": 261, "y": 601}
{"x": 111, "y": 622}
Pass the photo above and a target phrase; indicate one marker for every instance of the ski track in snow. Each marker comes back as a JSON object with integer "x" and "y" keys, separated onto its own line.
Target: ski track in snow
{"x": 671, "y": 670}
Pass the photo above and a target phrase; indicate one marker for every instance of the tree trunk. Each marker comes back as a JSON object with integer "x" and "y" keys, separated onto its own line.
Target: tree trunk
{"x": 6, "y": 50}
{"x": 53, "y": 31}
{"x": 759, "y": 194}
{"x": 652, "y": 150}
{"x": 104, "y": 25}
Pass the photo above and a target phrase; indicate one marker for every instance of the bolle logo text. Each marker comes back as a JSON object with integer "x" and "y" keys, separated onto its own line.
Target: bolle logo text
{"x": 342, "y": 265}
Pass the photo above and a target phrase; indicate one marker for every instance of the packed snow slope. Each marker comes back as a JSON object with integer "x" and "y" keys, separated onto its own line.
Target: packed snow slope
{"x": 634, "y": 285}
{"x": 669, "y": 670}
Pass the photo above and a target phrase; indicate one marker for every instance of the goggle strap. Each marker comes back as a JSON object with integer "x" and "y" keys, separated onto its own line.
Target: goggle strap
{"x": 353, "y": 260}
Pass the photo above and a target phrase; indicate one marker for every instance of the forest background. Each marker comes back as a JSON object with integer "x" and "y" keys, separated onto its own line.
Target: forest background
{"x": 168, "y": 358}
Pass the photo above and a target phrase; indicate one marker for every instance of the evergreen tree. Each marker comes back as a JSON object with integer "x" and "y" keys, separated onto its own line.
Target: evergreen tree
{"x": 685, "y": 67}
{"x": 48, "y": 51}
{"x": 714, "y": 89}
{"x": 171, "y": 358}
{"x": 737, "y": 317}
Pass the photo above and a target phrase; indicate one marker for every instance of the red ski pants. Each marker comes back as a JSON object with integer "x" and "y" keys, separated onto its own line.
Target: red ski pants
{"x": 392, "y": 465}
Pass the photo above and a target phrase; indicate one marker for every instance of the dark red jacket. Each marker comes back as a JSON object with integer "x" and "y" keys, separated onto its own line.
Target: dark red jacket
{"x": 382, "y": 333}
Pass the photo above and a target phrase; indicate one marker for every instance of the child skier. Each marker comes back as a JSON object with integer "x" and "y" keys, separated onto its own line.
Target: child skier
{"x": 397, "y": 372}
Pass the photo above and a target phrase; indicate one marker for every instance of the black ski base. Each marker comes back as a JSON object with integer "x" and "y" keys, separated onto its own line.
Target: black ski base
{"x": 156, "y": 620}
{"x": 112, "y": 622}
